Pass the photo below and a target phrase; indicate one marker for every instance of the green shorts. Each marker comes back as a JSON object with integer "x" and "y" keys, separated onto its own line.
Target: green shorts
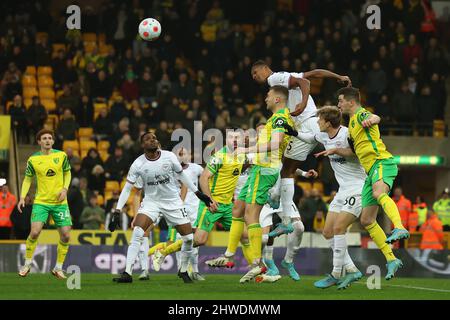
{"x": 259, "y": 182}
{"x": 384, "y": 169}
{"x": 171, "y": 234}
{"x": 206, "y": 219}
{"x": 59, "y": 213}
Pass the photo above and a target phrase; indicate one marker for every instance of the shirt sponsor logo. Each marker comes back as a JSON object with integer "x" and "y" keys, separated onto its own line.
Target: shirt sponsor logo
{"x": 50, "y": 173}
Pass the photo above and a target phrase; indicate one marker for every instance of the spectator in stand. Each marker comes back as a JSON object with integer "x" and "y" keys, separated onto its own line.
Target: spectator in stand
{"x": 91, "y": 160}
{"x": 93, "y": 216}
{"x": 403, "y": 204}
{"x": 43, "y": 52}
{"x": 405, "y": 106}
{"x": 103, "y": 128}
{"x": 59, "y": 68}
{"x": 76, "y": 202}
{"x": 85, "y": 192}
{"x": 112, "y": 202}
{"x": 72, "y": 157}
{"x": 85, "y": 112}
{"x": 67, "y": 127}
{"x": 432, "y": 233}
{"x": 163, "y": 134}
{"x": 130, "y": 88}
{"x": 75, "y": 169}
{"x": 70, "y": 75}
{"x": 118, "y": 110}
{"x": 116, "y": 166}
{"x": 66, "y": 101}
{"x": 13, "y": 87}
{"x": 376, "y": 83}
{"x": 21, "y": 220}
{"x": 36, "y": 115}
{"x": 442, "y": 209}
{"x": 101, "y": 87}
{"x": 183, "y": 89}
{"x": 427, "y": 107}
{"x": 411, "y": 51}
{"x": 421, "y": 209}
{"x": 7, "y": 204}
{"x": 82, "y": 86}
{"x": 240, "y": 119}
{"x": 147, "y": 88}
{"x": 97, "y": 180}
{"x": 17, "y": 112}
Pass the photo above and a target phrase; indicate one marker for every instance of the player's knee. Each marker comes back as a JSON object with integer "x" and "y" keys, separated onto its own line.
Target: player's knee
{"x": 188, "y": 239}
{"x": 338, "y": 229}
{"x": 34, "y": 234}
{"x": 298, "y": 226}
{"x": 366, "y": 221}
{"x": 138, "y": 233}
{"x": 200, "y": 241}
{"x": 65, "y": 237}
{"x": 328, "y": 233}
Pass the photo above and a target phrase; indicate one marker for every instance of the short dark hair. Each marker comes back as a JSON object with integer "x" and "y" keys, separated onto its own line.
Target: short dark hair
{"x": 350, "y": 93}
{"x": 281, "y": 90}
{"x": 259, "y": 63}
{"x": 330, "y": 114}
{"x": 44, "y": 131}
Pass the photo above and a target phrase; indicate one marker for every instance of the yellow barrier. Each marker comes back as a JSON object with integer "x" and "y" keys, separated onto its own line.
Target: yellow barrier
{"x": 93, "y": 237}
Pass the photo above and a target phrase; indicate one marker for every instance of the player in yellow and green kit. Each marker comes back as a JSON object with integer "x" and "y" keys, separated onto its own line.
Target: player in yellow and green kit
{"x": 51, "y": 170}
{"x": 381, "y": 172}
{"x": 271, "y": 143}
{"x": 218, "y": 181}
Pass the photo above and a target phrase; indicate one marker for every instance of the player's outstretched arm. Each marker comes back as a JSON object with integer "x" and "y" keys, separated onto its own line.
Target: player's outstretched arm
{"x": 123, "y": 198}
{"x": 305, "y": 137}
{"x": 372, "y": 120}
{"x": 190, "y": 185}
{"x": 343, "y": 152}
{"x": 204, "y": 186}
{"x": 305, "y": 87}
{"x": 322, "y": 73}
{"x": 307, "y": 174}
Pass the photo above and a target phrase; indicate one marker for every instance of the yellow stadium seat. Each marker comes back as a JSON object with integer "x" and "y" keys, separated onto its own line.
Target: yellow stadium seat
{"x": 305, "y": 185}
{"x": 54, "y": 118}
{"x": 122, "y": 183}
{"x": 85, "y": 132}
{"x": 89, "y": 46}
{"x": 27, "y": 102}
{"x": 108, "y": 195}
{"x": 46, "y": 93}
{"x": 73, "y": 144}
{"x": 111, "y": 185}
{"x": 59, "y": 93}
{"x": 104, "y": 155}
{"x": 83, "y": 153}
{"x": 103, "y": 145}
{"x": 87, "y": 144}
{"x": 30, "y": 92}
{"x": 438, "y": 128}
{"x": 49, "y": 125}
{"x": 44, "y": 71}
{"x": 41, "y": 35}
{"x": 100, "y": 200}
{"x": 102, "y": 38}
{"x": 29, "y": 80}
{"x": 30, "y": 70}
{"x": 49, "y": 104}
{"x": 318, "y": 186}
{"x": 89, "y": 37}
{"x": 58, "y": 46}
{"x": 45, "y": 82}
{"x": 104, "y": 49}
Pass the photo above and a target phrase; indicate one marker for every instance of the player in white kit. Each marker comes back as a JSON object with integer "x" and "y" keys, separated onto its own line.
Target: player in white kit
{"x": 346, "y": 205}
{"x": 303, "y": 111}
{"x": 159, "y": 171}
{"x": 191, "y": 202}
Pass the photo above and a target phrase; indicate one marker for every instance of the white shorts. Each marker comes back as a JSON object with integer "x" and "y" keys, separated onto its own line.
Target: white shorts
{"x": 297, "y": 149}
{"x": 192, "y": 212}
{"x": 175, "y": 214}
{"x": 267, "y": 212}
{"x": 350, "y": 203}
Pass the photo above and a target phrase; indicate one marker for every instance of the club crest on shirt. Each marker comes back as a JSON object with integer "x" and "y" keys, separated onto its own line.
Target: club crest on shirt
{"x": 56, "y": 160}
{"x": 166, "y": 167}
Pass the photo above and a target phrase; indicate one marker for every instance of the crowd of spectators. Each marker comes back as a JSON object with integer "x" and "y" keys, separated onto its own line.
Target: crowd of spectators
{"x": 199, "y": 69}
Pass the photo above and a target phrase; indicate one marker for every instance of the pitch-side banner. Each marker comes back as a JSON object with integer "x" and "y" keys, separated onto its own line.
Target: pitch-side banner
{"x": 5, "y": 133}
{"x": 309, "y": 261}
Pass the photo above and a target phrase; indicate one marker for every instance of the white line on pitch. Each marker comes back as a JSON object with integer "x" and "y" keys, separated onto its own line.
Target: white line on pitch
{"x": 410, "y": 287}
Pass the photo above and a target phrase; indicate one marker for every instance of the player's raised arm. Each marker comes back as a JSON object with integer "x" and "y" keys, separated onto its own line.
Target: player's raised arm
{"x": 305, "y": 137}
{"x": 204, "y": 186}
{"x": 305, "y": 87}
{"x": 343, "y": 152}
{"x": 322, "y": 73}
{"x": 371, "y": 120}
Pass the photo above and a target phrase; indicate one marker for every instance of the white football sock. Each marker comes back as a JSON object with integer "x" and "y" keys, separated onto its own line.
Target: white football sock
{"x": 178, "y": 258}
{"x": 294, "y": 241}
{"x": 194, "y": 259}
{"x": 143, "y": 254}
{"x": 186, "y": 251}
{"x": 349, "y": 265}
{"x": 287, "y": 196}
{"x": 268, "y": 252}
{"x": 340, "y": 247}
{"x": 265, "y": 239}
{"x": 133, "y": 248}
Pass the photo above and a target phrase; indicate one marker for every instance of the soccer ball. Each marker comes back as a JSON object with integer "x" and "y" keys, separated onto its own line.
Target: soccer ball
{"x": 149, "y": 29}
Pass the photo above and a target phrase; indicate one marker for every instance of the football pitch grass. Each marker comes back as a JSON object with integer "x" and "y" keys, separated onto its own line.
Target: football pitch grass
{"x": 216, "y": 287}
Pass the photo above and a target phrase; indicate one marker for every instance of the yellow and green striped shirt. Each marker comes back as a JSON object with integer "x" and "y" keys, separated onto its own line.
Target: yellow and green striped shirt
{"x": 367, "y": 143}
{"x": 49, "y": 172}
{"x": 272, "y": 159}
{"x": 226, "y": 168}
